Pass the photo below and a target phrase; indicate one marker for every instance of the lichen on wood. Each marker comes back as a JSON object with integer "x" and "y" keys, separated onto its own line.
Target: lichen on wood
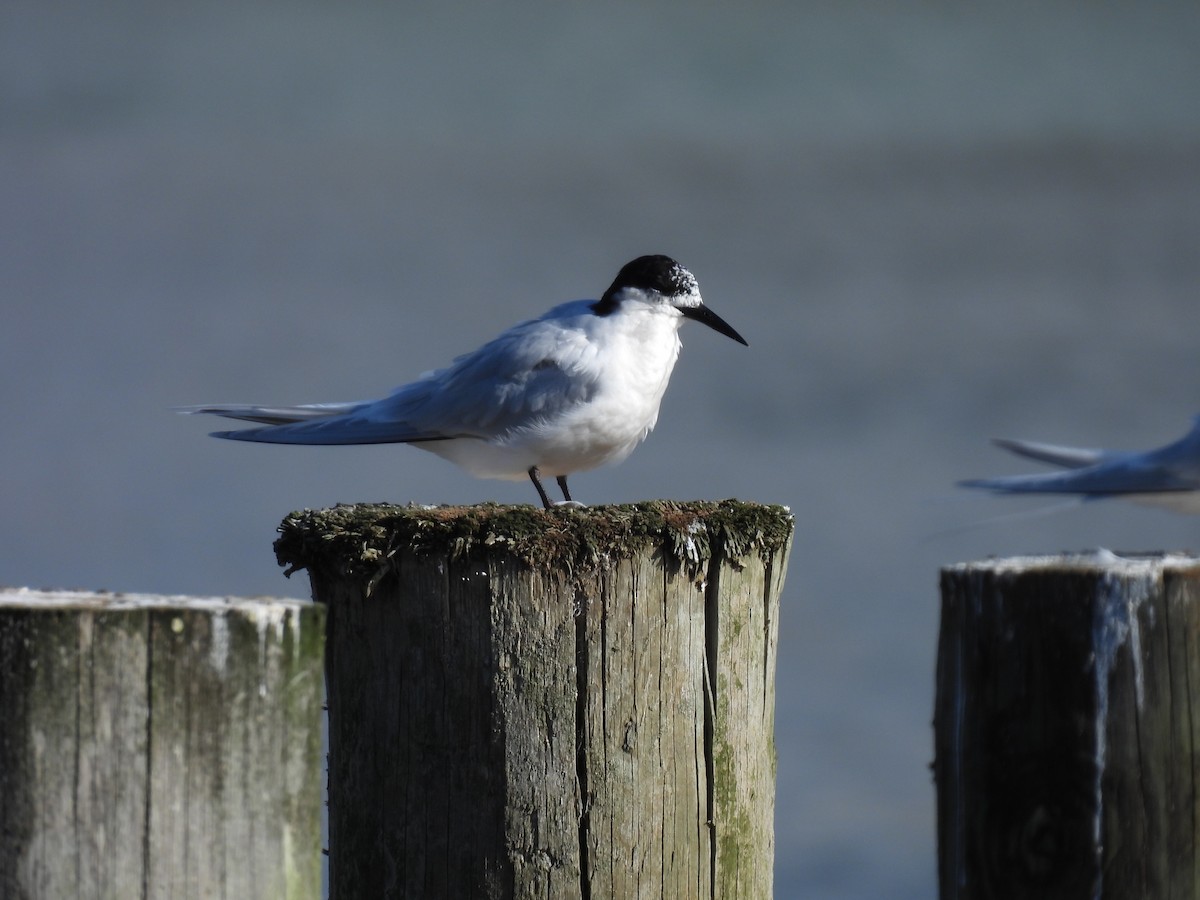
{"x": 360, "y": 539}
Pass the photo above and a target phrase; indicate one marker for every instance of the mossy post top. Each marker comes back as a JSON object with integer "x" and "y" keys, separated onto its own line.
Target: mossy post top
{"x": 356, "y": 539}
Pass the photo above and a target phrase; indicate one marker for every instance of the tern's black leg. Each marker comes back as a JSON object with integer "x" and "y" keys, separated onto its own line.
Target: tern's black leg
{"x": 537, "y": 483}
{"x": 562, "y": 484}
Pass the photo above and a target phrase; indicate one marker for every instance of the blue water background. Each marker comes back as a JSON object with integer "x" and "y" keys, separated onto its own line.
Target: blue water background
{"x": 934, "y": 224}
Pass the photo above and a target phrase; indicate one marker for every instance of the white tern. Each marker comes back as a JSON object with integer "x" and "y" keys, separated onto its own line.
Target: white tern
{"x": 577, "y": 388}
{"x": 1167, "y": 477}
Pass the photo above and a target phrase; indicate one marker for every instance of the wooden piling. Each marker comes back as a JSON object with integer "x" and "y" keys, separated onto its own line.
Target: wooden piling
{"x": 553, "y": 704}
{"x": 159, "y": 746}
{"x": 1066, "y": 728}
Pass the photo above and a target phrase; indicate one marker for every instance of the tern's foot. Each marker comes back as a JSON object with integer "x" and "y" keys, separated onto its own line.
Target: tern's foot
{"x": 569, "y": 504}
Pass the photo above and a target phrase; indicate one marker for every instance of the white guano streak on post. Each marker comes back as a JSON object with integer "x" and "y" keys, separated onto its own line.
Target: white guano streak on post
{"x": 1116, "y": 624}
{"x": 218, "y": 651}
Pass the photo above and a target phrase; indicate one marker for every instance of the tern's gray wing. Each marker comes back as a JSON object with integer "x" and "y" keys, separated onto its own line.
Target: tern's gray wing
{"x": 534, "y": 372}
{"x": 1175, "y": 467}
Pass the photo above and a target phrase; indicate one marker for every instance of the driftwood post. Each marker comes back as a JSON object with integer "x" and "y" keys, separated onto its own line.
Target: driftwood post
{"x": 159, "y": 747}
{"x": 1067, "y": 728}
{"x": 562, "y": 704}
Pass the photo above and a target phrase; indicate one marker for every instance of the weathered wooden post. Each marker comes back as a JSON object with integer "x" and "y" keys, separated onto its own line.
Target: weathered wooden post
{"x": 562, "y": 704}
{"x": 159, "y": 746}
{"x": 1066, "y": 728}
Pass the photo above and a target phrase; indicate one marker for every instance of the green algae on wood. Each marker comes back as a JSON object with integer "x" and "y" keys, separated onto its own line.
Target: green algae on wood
{"x": 360, "y": 539}
{"x": 157, "y": 743}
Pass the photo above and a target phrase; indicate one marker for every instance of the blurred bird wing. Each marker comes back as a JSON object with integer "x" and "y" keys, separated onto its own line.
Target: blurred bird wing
{"x": 1172, "y": 468}
{"x": 1132, "y": 473}
{"x": 1069, "y": 457}
{"x": 1183, "y": 456}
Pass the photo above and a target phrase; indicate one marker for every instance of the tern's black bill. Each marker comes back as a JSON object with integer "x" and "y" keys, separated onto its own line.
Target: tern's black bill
{"x": 706, "y": 316}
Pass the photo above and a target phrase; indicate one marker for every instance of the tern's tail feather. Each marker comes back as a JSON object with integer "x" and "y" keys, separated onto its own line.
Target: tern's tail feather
{"x": 1069, "y": 457}
{"x": 318, "y": 423}
{"x": 271, "y": 415}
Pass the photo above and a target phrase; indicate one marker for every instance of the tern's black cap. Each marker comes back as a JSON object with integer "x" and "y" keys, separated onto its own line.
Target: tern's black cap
{"x": 649, "y": 273}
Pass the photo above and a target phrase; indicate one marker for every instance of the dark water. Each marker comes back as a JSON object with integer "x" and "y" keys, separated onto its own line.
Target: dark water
{"x": 932, "y": 226}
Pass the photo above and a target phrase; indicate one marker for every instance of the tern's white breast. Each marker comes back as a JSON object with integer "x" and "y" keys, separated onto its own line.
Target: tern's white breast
{"x": 626, "y": 359}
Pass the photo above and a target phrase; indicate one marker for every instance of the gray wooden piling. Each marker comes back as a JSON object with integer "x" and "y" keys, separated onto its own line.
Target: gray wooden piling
{"x": 159, "y": 746}
{"x": 1066, "y": 728}
{"x": 553, "y": 704}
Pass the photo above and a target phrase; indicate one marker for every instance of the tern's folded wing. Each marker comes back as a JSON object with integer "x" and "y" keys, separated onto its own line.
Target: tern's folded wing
{"x": 533, "y": 373}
